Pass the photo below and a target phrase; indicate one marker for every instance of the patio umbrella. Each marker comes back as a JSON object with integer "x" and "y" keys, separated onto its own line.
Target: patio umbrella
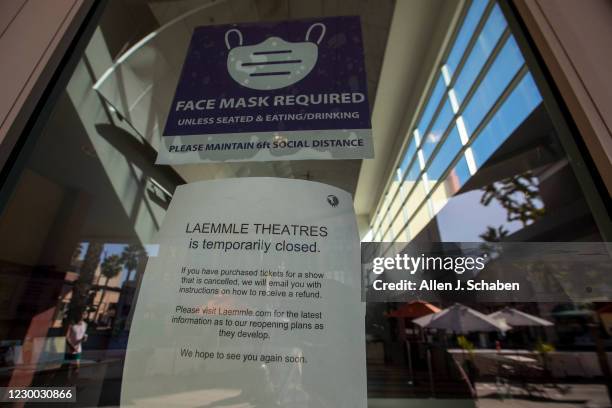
{"x": 515, "y": 317}
{"x": 411, "y": 310}
{"x": 414, "y": 309}
{"x": 461, "y": 319}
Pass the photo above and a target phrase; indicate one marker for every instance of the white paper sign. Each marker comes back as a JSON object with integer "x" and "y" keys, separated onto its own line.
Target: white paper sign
{"x": 253, "y": 300}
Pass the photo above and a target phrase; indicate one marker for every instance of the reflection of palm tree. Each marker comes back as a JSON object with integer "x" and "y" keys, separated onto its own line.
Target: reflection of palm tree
{"x": 494, "y": 234}
{"x": 130, "y": 256}
{"x": 519, "y": 196}
{"x": 110, "y": 268}
{"x": 76, "y": 254}
{"x": 79, "y": 301}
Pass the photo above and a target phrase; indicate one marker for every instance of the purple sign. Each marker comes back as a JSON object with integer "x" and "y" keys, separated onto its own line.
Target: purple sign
{"x": 289, "y": 90}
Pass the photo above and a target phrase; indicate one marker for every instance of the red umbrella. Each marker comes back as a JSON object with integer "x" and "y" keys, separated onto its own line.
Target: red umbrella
{"x": 414, "y": 309}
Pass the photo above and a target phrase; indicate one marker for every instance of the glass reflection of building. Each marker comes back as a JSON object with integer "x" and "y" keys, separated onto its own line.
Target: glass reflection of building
{"x": 483, "y": 160}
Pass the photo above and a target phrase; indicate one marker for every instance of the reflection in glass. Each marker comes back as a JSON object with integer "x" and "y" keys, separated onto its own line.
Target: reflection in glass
{"x": 445, "y": 155}
{"x": 485, "y": 43}
{"x": 523, "y": 100}
{"x": 465, "y": 33}
{"x": 437, "y": 130}
{"x": 497, "y": 79}
{"x": 432, "y": 105}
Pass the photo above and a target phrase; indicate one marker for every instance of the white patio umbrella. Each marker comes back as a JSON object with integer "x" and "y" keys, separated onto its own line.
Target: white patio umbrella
{"x": 515, "y": 317}
{"x": 461, "y": 319}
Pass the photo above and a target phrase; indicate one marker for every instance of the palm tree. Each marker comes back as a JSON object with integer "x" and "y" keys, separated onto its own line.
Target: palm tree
{"x": 130, "y": 257}
{"x": 110, "y": 268}
{"x": 79, "y": 302}
{"x": 78, "y": 250}
{"x": 519, "y": 196}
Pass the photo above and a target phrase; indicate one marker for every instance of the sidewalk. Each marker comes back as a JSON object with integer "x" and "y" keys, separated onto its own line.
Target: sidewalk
{"x": 491, "y": 395}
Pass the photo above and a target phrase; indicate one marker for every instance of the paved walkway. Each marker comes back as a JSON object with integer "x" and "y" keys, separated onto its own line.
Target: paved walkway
{"x": 491, "y": 395}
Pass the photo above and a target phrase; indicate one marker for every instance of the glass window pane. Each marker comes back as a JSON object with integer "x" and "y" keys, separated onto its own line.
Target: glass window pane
{"x": 445, "y": 156}
{"x": 461, "y": 172}
{"x": 420, "y": 220}
{"x": 85, "y": 203}
{"x": 523, "y": 100}
{"x": 385, "y": 206}
{"x": 452, "y": 183}
{"x": 395, "y": 202}
{"x": 416, "y": 198}
{"x": 437, "y": 130}
{"x": 432, "y": 104}
{"x": 465, "y": 33}
{"x": 412, "y": 176}
{"x": 407, "y": 157}
{"x": 482, "y": 49}
{"x": 508, "y": 62}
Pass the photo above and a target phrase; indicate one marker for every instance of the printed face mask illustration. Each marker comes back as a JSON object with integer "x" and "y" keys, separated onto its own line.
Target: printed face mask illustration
{"x": 273, "y": 63}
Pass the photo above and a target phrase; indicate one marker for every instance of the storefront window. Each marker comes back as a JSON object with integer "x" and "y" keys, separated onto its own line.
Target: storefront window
{"x": 475, "y": 157}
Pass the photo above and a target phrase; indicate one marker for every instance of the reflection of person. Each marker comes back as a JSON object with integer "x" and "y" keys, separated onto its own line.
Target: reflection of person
{"x": 9, "y": 356}
{"x": 75, "y": 336}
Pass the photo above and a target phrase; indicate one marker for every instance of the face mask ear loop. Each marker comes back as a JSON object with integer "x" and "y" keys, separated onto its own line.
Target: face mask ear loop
{"x": 322, "y": 31}
{"x": 233, "y": 30}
